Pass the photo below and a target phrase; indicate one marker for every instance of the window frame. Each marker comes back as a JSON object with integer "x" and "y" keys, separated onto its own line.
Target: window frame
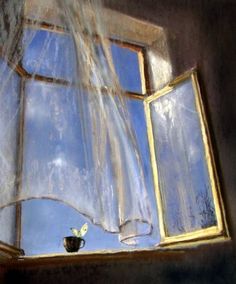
{"x": 218, "y": 232}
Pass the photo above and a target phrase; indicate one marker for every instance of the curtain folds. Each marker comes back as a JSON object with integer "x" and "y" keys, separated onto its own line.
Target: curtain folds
{"x": 69, "y": 138}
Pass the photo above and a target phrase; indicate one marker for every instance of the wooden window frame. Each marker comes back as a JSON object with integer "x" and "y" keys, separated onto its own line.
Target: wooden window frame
{"x": 210, "y": 234}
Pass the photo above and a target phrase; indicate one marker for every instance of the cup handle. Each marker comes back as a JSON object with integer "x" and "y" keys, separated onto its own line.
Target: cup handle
{"x": 82, "y": 240}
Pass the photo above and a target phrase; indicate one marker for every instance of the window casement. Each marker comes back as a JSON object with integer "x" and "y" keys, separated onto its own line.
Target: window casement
{"x": 186, "y": 183}
{"x": 171, "y": 131}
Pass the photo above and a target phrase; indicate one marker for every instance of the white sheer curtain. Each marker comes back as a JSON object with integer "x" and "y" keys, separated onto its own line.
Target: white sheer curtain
{"x": 77, "y": 142}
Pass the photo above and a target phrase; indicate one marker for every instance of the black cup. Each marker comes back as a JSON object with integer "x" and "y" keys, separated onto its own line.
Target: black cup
{"x": 73, "y": 244}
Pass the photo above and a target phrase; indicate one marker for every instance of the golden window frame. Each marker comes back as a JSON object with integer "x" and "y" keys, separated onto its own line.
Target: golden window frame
{"x": 210, "y": 234}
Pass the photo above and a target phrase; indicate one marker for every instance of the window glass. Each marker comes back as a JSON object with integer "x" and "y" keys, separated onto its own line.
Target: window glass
{"x": 127, "y": 67}
{"x": 183, "y": 175}
{"x": 53, "y": 148}
{"x": 49, "y": 54}
{"x": 46, "y": 222}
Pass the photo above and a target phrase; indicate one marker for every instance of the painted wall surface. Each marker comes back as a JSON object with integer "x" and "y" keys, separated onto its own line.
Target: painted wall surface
{"x": 200, "y": 33}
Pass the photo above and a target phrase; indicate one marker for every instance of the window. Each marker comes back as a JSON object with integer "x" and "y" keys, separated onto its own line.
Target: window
{"x": 45, "y": 82}
{"x": 178, "y": 166}
{"x": 40, "y": 96}
{"x": 183, "y": 166}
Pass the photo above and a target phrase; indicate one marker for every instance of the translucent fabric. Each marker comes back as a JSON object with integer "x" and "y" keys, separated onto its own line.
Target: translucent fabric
{"x": 76, "y": 142}
{"x": 9, "y": 124}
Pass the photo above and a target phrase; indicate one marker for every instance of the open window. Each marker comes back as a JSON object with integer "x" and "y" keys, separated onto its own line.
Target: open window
{"x": 186, "y": 184}
{"x": 169, "y": 125}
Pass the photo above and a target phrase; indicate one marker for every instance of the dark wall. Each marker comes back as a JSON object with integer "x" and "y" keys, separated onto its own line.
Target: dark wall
{"x": 212, "y": 264}
{"x": 202, "y": 34}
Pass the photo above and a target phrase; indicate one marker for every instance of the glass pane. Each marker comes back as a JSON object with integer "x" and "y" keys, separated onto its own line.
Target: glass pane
{"x": 53, "y": 137}
{"x": 46, "y": 222}
{"x": 49, "y": 54}
{"x": 9, "y": 115}
{"x": 182, "y": 169}
{"x": 127, "y": 66}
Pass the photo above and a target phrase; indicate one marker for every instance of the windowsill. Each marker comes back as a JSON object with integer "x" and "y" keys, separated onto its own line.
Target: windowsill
{"x": 160, "y": 253}
{"x": 61, "y": 259}
{"x": 8, "y": 251}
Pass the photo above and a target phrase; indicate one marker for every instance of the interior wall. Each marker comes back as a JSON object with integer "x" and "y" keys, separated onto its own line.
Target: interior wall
{"x": 200, "y": 33}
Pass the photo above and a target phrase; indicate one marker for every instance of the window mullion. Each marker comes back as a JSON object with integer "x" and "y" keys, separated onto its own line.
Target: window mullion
{"x": 20, "y": 160}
